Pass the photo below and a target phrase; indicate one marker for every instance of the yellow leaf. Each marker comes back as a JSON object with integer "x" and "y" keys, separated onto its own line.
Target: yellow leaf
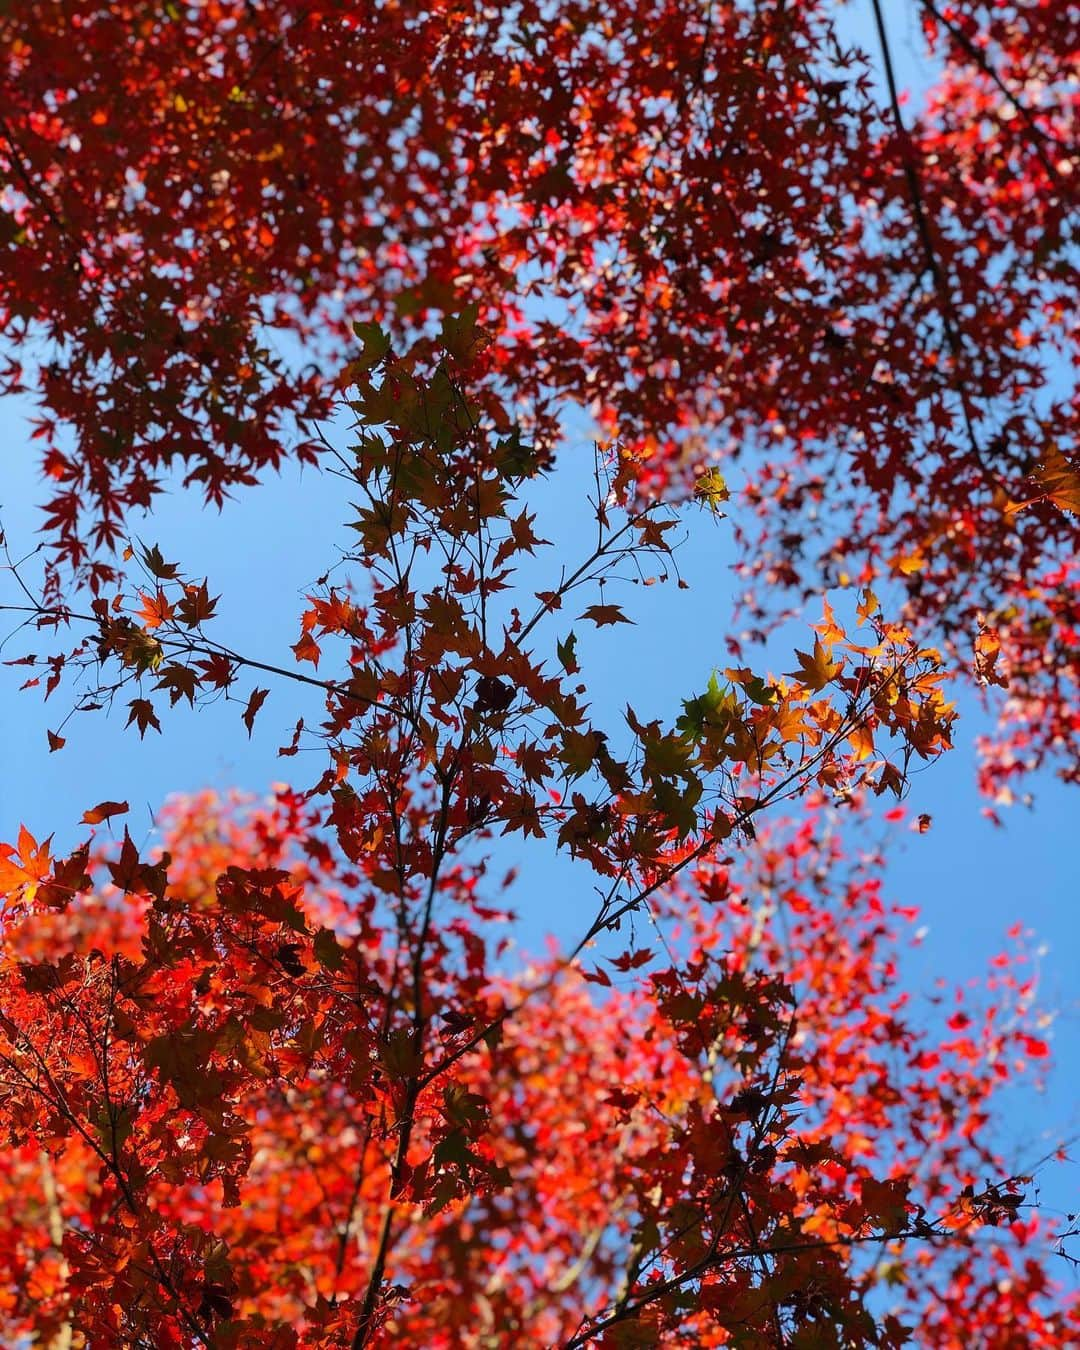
{"x": 711, "y": 489}
{"x": 816, "y": 669}
{"x": 910, "y": 563}
{"x": 790, "y": 724}
{"x": 868, "y": 606}
{"x": 829, "y": 629}
{"x": 862, "y": 742}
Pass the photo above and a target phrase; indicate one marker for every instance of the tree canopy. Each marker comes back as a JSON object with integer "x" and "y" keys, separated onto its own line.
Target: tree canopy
{"x": 280, "y": 1077}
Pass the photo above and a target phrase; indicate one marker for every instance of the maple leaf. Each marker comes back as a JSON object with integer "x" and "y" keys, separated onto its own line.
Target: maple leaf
{"x": 907, "y": 564}
{"x": 493, "y": 694}
{"x": 254, "y": 703}
{"x": 156, "y": 564}
{"x": 328, "y": 951}
{"x": 196, "y": 605}
{"x": 829, "y": 629}
{"x": 816, "y": 669}
{"x": 790, "y": 724}
{"x": 376, "y": 344}
{"x": 25, "y": 864}
{"x": 602, "y": 615}
{"x": 1061, "y": 481}
{"x": 868, "y": 606}
{"x": 69, "y": 878}
{"x": 143, "y": 715}
{"x": 180, "y": 681}
{"x": 886, "y": 1203}
{"x": 711, "y": 490}
{"x": 862, "y": 742}
{"x": 713, "y": 710}
{"x": 631, "y": 960}
{"x": 597, "y": 976}
{"x": 566, "y": 653}
{"x": 103, "y": 811}
{"x": 307, "y": 649}
{"x": 155, "y": 609}
{"x": 458, "y": 333}
{"x": 219, "y": 670}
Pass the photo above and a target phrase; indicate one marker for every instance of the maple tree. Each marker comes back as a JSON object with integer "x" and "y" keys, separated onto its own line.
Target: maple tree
{"x": 277, "y": 1082}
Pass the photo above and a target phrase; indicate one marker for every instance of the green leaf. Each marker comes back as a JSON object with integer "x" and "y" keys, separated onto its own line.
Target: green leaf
{"x": 669, "y": 754}
{"x": 113, "y": 1126}
{"x": 757, "y": 690}
{"x": 677, "y": 804}
{"x": 514, "y": 460}
{"x": 711, "y": 490}
{"x": 711, "y": 709}
{"x": 458, "y": 332}
{"x": 376, "y": 344}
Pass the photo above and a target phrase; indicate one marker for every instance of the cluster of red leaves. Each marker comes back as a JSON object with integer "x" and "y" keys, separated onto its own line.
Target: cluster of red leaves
{"x": 1032, "y": 649}
{"x": 702, "y": 220}
{"x": 204, "y": 1061}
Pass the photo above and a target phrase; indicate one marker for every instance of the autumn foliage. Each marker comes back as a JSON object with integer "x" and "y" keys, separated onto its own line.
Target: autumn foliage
{"x": 280, "y": 1077}
{"x": 207, "y": 1088}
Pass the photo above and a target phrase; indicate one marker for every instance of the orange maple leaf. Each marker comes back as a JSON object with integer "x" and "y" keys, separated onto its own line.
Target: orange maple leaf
{"x": 24, "y": 864}
{"x": 816, "y": 669}
{"x": 155, "y": 610}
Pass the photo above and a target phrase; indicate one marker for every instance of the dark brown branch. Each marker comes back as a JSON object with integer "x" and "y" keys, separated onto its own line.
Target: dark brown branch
{"x": 926, "y": 238}
{"x": 59, "y": 614}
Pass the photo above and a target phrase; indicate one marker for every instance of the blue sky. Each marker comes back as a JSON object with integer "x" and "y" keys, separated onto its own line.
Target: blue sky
{"x": 971, "y": 880}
